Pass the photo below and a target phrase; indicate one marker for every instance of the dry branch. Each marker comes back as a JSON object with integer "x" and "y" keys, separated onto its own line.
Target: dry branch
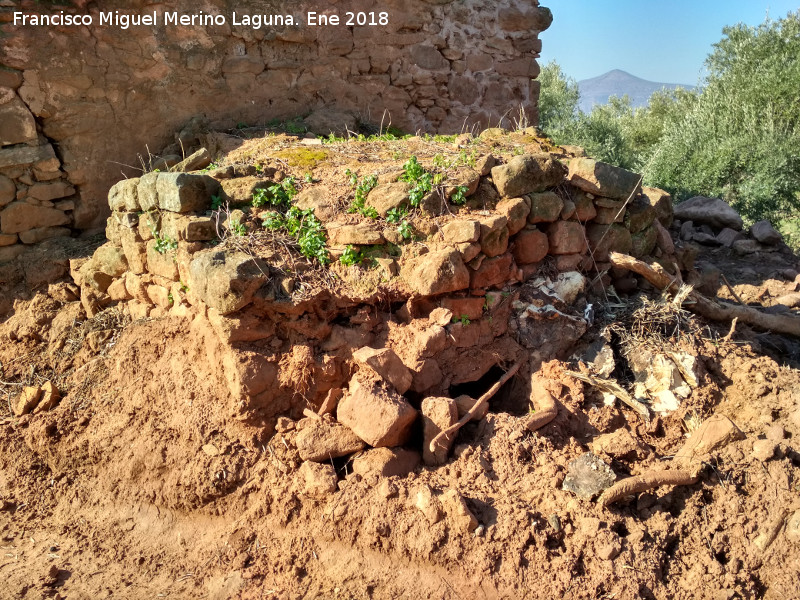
{"x": 716, "y": 311}
{"x": 612, "y": 387}
{"x": 646, "y": 482}
{"x": 545, "y": 406}
{"x": 479, "y": 403}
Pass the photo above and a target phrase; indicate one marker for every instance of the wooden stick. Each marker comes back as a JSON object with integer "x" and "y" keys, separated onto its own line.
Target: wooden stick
{"x": 475, "y": 407}
{"x": 731, "y": 290}
{"x": 645, "y": 482}
{"x": 612, "y": 387}
{"x": 716, "y": 311}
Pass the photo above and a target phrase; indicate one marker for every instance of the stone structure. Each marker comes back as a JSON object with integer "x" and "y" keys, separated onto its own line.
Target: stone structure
{"x": 79, "y": 103}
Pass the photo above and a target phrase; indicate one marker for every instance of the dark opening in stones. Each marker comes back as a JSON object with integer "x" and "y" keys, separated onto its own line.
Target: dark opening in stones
{"x": 502, "y": 401}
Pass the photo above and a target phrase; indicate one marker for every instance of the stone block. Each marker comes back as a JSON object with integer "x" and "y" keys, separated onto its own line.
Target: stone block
{"x": 376, "y": 414}
{"x": 566, "y": 237}
{"x": 436, "y": 273}
{"x": 183, "y": 192}
{"x": 603, "y": 179}
{"x": 545, "y": 207}
{"x": 607, "y": 238}
{"x": 438, "y": 413}
{"x": 516, "y": 210}
{"x": 494, "y": 235}
{"x": 530, "y": 246}
{"x": 526, "y": 174}
{"x": 21, "y": 216}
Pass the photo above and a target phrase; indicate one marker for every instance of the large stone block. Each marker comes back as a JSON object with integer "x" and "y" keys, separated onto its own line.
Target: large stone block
{"x": 709, "y": 211}
{"x": 226, "y": 281}
{"x": 494, "y": 235}
{"x": 146, "y": 192}
{"x": 183, "y": 192}
{"x": 50, "y": 191}
{"x": 8, "y": 191}
{"x": 123, "y": 195}
{"x": 388, "y": 196}
{"x": 566, "y": 237}
{"x": 386, "y": 363}
{"x": 25, "y": 155}
{"x": 545, "y": 207}
{"x": 321, "y": 441}
{"x": 516, "y": 210}
{"x": 438, "y": 414}
{"x": 17, "y": 124}
{"x": 530, "y": 246}
{"x": 379, "y": 416}
{"x": 492, "y": 271}
{"x": 20, "y": 216}
{"x": 362, "y": 234}
{"x": 40, "y": 234}
{"x": 436, "y": 273}
{"x": 603, "y": 179}
{"x": 644, "y": 242}
{"x": 661, "y": 202}
{"x": 457, "y": 232}
{"x": 527, "y": 173}
{"x": 640, "y": 215}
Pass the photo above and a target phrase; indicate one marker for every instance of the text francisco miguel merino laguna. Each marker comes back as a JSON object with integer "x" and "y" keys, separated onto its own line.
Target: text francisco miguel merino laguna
{"x": 201, "y": 19}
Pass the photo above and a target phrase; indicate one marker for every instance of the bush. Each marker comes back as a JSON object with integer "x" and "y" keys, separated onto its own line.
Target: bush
{"x": 736, "y": 138}
{"x": 740, "y": 139}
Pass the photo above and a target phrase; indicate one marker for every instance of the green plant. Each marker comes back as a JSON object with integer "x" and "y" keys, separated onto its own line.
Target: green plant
{"x": 405, "y": 229}
{"x": 358, "y": 205}
{"x": 170, "y": 298}
{"x": 216, "y": 202}
{"x": 184, "y": 288}
{"x": 305, "y": 228}
{"x": 164, "y": 244}
{"x": 237, "y": 227}
{"x": 463, "y": 319}
{"x": 279, "y": 194}
{"x": 351, "y": 256}
{"x": 308, "y": 178}
{"x": 458, "y": 198}
{"x": 421, "y": 181}
{"x": 395, "y": 215}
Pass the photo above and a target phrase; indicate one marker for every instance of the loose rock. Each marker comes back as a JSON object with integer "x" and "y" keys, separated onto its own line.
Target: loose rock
{"x": 588, "y": 476}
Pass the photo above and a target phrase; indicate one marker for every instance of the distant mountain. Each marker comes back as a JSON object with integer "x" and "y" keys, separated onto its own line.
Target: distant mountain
{"x": 618, "y": 83}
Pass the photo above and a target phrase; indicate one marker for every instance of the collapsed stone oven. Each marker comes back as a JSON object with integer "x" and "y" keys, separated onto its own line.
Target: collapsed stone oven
{"x": 71, "y": 97}
{"x": 489, "y": 284}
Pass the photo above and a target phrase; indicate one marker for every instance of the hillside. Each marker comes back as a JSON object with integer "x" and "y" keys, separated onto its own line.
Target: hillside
{"x": 598, "y": 90}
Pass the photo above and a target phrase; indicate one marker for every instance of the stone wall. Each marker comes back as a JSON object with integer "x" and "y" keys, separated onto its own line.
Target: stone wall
{"x": 80, "y": 105}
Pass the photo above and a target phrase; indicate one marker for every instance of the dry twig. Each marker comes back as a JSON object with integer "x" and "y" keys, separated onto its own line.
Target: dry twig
{"x": 476, "y": 408}
{"x": 716, "y": 311}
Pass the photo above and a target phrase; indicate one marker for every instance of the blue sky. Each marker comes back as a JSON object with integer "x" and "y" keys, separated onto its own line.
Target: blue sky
{"x": 665, "y": 41}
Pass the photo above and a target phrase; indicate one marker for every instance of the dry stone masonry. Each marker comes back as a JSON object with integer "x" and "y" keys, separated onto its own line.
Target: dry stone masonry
{"x": 79, "y": 103}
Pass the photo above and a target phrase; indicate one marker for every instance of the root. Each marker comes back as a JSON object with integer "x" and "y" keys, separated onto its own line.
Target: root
{"x": 476, "y": 408}
{"x": 646, "y": 482}
{"x": 715, "y": 311}
{"x": 544, "y": 404}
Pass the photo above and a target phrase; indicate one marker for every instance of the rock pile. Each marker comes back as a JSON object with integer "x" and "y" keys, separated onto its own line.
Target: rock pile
{"x": 517, "y": 214}
{"x": 713, "y": 222}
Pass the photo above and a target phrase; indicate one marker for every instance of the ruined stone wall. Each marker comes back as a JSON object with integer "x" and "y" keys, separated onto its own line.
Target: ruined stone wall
{"x": 79, "y": 105}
